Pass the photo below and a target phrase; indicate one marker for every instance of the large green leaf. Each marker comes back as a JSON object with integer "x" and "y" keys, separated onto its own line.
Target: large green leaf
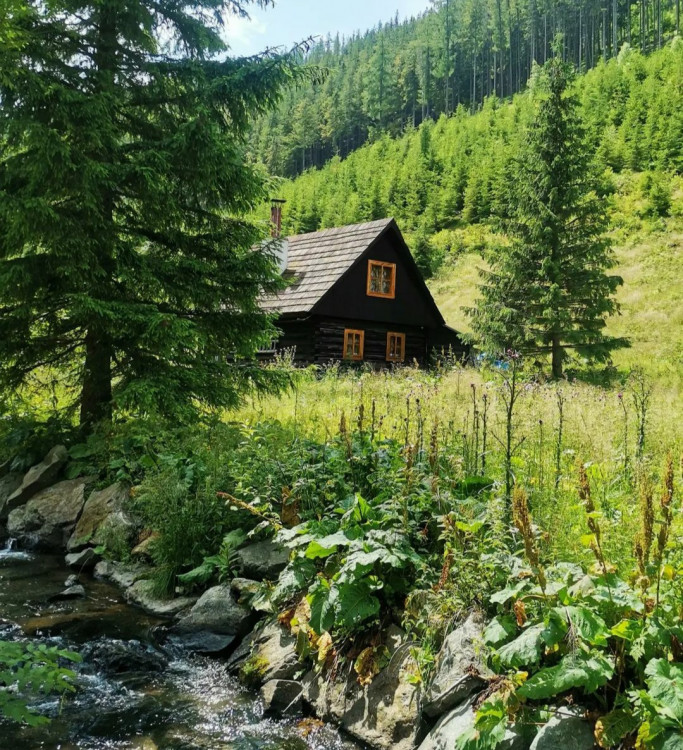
{"x": 501, "y": 597}
{"x": 355, "y": 604}
{"x": 668, "y": 740}
{"x": 525, "y": 650}
{"x": 576, "y": 670}
{"x": 297, "y": 576}
{"x": 327, "y": 546}
{"x": 322, "y": 600}
{"x": 665, "y": 683}
{"x": 556, "y": 627}
{"x": 199, "y": 575}
{"x": 500, "y": 629}
{"x": 611, "y": 729}
{"x": 589, "y": 626}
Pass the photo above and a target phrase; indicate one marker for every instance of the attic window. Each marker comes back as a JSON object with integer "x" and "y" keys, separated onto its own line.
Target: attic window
{"x": 354, "y": 342}
{"x": 396, "y": 347}
{"x": 381, "y": 279}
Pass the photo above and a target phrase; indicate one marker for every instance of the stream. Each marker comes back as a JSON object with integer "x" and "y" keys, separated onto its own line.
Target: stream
{"x": 135, "y": 691}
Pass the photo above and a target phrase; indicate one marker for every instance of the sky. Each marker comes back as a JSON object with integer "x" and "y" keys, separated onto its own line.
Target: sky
{"x": 291, "y": 21}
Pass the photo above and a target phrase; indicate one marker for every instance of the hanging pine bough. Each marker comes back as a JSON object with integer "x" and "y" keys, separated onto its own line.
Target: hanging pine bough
{"x": 124, "y": 263}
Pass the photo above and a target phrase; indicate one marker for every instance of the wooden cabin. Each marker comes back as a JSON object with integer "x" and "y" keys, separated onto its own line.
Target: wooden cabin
{"x": 356, "y": 294}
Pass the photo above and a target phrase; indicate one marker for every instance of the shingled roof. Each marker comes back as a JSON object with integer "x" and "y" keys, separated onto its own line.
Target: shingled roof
{"x": 316, "y": 261}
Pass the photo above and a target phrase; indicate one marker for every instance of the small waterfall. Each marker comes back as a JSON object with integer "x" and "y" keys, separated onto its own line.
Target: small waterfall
{"x": 11, "y": 551}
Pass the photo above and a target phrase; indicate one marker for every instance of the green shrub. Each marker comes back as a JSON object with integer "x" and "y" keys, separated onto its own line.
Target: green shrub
{"x": 31, "y": 671}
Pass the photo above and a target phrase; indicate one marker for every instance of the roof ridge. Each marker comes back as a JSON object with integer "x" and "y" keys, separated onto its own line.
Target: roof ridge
{"x": 346, "y": 228}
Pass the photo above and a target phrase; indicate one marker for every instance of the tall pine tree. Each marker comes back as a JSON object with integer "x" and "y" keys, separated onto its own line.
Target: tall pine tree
{"x": 124, "y": 261}
{"x": 549, "y": 290}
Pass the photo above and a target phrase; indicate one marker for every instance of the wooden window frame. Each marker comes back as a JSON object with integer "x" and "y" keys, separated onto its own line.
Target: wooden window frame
{"x": 402, "y": 338}
{"x": 382, "y": 264}
{"x": 348, "y": 332}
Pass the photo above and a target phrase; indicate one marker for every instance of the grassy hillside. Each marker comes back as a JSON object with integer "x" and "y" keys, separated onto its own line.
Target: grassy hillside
{"x": 650, "y": 260}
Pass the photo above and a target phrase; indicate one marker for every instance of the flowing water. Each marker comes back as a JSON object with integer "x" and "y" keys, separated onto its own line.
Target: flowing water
{"x": 134, "y": 690}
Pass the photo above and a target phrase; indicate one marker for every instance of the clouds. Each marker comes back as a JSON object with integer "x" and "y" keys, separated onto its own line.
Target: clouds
{"x": 245, "y": 36}
{"x": 290, "y": 21}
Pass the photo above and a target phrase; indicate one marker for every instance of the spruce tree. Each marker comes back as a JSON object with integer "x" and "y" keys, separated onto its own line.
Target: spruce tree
{"x": 548, "y": 291}
{"x": 124, "y": 261}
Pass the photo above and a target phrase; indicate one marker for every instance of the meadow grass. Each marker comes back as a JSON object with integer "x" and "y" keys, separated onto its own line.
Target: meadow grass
{"x": 600, "y": 428}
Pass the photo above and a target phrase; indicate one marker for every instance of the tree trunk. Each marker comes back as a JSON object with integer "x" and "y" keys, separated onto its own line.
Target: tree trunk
{"x": 96, "y": 395}
{"x": 557, "y": 357}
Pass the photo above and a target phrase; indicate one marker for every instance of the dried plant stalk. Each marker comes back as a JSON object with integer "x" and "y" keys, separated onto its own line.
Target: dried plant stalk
{"x": 522, "y": 520}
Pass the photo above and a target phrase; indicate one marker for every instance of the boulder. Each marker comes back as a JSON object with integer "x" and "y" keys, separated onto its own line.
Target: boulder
{"x": 72, "y": 580}
{"x": 567, "y": 730}
{"x": 117, "y": 656}
{"x": 37, "y": 478}
{"x": 457, "y": 722}
{"x": 262, "y": 561}
{"x": 204, "y": 642}
{"x": 71, "y": 592}
{"x": 282, "y": 697}
{"x": 5, "y": 467}
{"x": 244, "y": 589}
{"x": 48, "y": 518}
{"x": 9, "y": 484}
{"x": 218, "y": 612}
{"x": 84, "y": 560}
{"x": 103, "y": 509}
{"x": 141, "y": 593}
{"x": 123, "y": 575}
{"x": 273, "y": 650}
{"x": 385, "y": 714}
{"x": 143, "y": 550}
{"x": 460, "y": 667}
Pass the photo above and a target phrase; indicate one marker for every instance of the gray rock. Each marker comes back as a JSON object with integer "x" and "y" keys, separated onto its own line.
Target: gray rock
{"x": 37, "y": 478}
{"x": 118, "y": 656}
{"x": 84, "y": 560}
{"x": 237, "y": 658}
{"x": 72, "y": 580}
{"x": 244, "y": 589}
{"x": 218, "y": 612}
{"x": 9, "y": 484}
{"x": 141, "y": 593}
{"x": 143, "y": 550}
{"x": 204, "y": 642}
{"x": 104, "y": 510}
{"x": 275, "y": 648}
{"x": 48, "y": 518}
{"x": 567, "y": 730}
{"x": 262, "y": 561}
{"x": 122, "y": 574}
{"x": 385, "y": 714}
{"x": 460, "y": 667}
{"x": 457, "y": 722}
{"x": 282, "y": 697}
{"x": 72, "y": 592}
{"x": 5, "y": 467}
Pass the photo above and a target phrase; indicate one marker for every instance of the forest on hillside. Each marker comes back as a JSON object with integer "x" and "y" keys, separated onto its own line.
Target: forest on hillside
{"x": 441, "y": 177}
{"x": 457, "y": 54}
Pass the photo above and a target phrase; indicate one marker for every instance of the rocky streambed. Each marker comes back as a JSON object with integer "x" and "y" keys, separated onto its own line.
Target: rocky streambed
{"x": 137, "y": 688}
{"x": 162, "y": 673}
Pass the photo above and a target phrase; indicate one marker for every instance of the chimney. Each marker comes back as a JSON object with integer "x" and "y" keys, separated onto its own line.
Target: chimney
{"x": 276, "y": 217}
